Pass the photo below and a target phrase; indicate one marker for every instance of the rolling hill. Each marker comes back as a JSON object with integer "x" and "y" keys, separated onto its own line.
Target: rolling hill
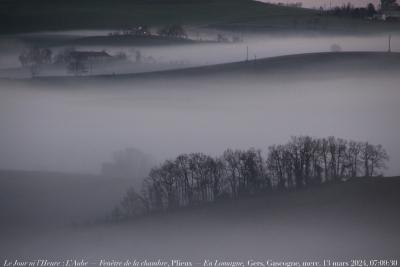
{"x": 354, "y": 219}
{"x": 313, "y": 66}
{"x": 25, "y": 15}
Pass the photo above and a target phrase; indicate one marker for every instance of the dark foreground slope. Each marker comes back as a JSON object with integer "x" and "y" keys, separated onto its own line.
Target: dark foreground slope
{"x": 18, "y": 16}
{"x": 27, "y": 16}
{"x": 355, "y": 219}
{"x": 31, "y": 199}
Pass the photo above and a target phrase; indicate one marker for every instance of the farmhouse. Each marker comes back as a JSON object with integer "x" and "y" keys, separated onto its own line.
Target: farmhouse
{"x": 90, "y": 56}
{"x": 391, "y": 14}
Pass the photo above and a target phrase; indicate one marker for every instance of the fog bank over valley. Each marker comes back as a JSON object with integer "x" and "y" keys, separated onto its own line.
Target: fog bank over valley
{"x": 176, "y": 55}
{"x": 76, "y": 125}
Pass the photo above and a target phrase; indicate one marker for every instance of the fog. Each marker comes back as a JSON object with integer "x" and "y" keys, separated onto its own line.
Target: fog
{"x": 54, "y": 125}
{"x": 162, "y": 57}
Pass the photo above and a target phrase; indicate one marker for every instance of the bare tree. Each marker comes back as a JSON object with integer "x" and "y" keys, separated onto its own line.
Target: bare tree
{"x": 385, "y": 4}
{"x": 173, "y": 31}
{"x": 34, "y": 58}
{"x": 133, "y": 204}
{"x": 77, "y": 67}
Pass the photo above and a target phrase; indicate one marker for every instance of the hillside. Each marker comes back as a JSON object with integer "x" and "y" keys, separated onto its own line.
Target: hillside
{"x": 18, "y": 16}
{"x": 25, "y": 15}
{"x": 301, "y": 66}
{"x": 134, "y": 40}
{"x": 31, "y": 198}
{"x": 330, "y": 62}
{"x": 357, "y": 218}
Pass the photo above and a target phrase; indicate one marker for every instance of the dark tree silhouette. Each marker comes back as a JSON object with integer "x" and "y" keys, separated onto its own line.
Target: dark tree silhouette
{"x": 371, "y": 11}
{"x": 196, "y": 178}
{"x": 173, "y": 31}
{"x": 76, "y": 67}
{"x": 34, "y": 58}
{"x": 374, "y": 158}
{"x": 133, "y": 204}
{"x": 388, "y": 3}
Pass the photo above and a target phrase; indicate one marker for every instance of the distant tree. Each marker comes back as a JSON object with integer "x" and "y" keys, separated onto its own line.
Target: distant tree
{"x": 378, "y": 160}
{"x": 222, "y": 38}
{"x": 34, "y": 58}
{"x": 25, "y": 58}
{"x": 385, "y": 4}
{"x": 367, "y": 151}
{"x": 138, "y": 56}
{"x": 353, "y": 158}
{"x": 77, "y": 67}
{"x": 141, "y": 30}
{"x": 359, "y": 12}
{"x": 173, "y": 31}
{"x": 64, "y": 57}
{"x": 128, "y": 163}
{"x": 237, "y": 39}
{"x": 349, "y": 10}
{"x": 277, "y": 165}
{"x": 153, "y": 191}
{"x": 121, "y": 56}
{"x": 117, "y": 214}
{"x": 232, "y": 166}
{"x": 371, "y": 11}
{"x": 133, "y": 204}
{"x": 336, "y": 48}
{"x": 374, "y": 158}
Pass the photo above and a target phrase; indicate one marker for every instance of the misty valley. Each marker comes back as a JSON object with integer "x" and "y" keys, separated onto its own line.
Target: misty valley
{"x": 199, "y": 133}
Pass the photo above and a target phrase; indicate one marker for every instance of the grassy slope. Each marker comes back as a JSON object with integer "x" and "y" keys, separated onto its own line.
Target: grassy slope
{"x": 29, "y": 197}
{"x": 26, "y": 15}
{"x": 358, "y": 218}
{"x": 303, "y": 66}
{"x": 313, "y": 62}
{"x": 39, "y": 15}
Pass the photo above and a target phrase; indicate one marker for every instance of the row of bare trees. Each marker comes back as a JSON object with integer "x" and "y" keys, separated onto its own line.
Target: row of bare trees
{"x": 196, "y": 178}
{"x": 305, "y": 160}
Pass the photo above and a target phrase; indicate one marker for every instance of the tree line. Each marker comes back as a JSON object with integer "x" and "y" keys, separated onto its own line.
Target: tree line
{"x": 370, "y": 11}
{"x": 196, "y": 178}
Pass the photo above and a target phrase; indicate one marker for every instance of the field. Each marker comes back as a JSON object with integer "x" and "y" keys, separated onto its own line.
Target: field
{"x": 29, "y": 199}
{"x": 300, "y": 66}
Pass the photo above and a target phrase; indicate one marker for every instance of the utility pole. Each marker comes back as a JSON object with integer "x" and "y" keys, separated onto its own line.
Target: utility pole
{"x": 247, "y": 53}
{"x": 390, "y": 40}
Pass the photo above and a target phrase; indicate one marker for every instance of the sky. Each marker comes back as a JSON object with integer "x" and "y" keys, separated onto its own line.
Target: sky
{"x": 326, "y": 3}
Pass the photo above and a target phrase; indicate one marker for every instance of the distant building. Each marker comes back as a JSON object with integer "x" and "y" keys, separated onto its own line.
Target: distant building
{"x": 140, "y": 31}
{"x": 90, "y": 56}
{"x": 391, "y": 14}
{"x": 79, "y": 62}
